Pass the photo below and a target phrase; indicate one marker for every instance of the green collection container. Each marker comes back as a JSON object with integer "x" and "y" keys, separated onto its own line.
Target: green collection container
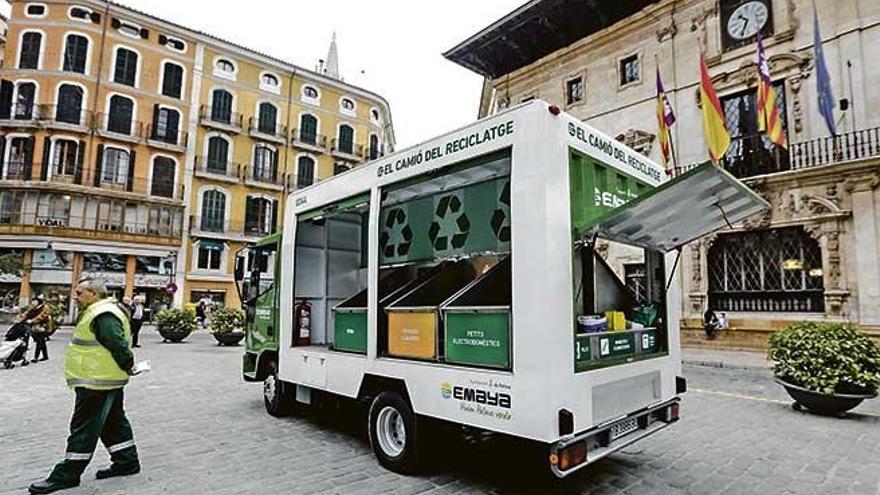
{"x": 350, "y": 322}
{"x": 476, "y": 321}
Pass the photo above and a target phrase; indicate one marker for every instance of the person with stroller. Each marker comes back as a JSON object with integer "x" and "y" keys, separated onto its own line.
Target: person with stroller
{"x": 39, "y": 317}
{"x": 97, "y": 367}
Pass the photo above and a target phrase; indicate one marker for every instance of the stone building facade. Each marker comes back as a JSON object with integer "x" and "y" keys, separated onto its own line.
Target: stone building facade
{"x": 815, "y": 254}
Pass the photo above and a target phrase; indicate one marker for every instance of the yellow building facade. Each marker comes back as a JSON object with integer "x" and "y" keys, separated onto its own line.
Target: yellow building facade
{"x": 147, "y": 154}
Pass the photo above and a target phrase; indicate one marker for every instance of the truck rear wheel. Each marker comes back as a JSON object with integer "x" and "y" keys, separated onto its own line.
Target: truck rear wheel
{"x": 278, "y": 400}
{"x": 393, "y": 433}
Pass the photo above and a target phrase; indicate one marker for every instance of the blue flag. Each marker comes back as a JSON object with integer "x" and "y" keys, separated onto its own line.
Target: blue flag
{"x": 823, "y": 80}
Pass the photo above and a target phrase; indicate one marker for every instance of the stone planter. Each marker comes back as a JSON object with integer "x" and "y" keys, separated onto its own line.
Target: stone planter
{"x": 228, "y": 338}
{"x": 174, "y": 335}
{"x": 819, "y": 403}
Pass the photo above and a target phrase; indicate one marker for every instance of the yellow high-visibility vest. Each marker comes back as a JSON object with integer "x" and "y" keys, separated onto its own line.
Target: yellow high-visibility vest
{"x": 89, "y": 364}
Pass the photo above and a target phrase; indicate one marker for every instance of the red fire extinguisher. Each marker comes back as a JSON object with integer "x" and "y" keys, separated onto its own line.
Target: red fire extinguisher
{"x": 303, "y": 323}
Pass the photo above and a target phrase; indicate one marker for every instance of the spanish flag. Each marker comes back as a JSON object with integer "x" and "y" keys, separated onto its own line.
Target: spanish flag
{"x": 717, "y": 137}
{"x": 768, "y": 113}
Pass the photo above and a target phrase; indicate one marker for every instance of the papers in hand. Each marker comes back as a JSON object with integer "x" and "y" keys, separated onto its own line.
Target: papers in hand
{"x": 141, "y": 367}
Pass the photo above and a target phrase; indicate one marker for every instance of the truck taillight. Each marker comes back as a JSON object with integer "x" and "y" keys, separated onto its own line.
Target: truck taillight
{"x": 570, "y": 456}
{"x": 672, "y": 412}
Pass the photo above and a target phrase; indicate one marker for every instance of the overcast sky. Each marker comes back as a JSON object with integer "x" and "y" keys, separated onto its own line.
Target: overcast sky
{"x": 391, "y": 47}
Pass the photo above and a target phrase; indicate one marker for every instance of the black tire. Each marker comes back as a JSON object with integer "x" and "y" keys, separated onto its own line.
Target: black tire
{"x": 406, "y": 458}
{"x": 277, "y": 395}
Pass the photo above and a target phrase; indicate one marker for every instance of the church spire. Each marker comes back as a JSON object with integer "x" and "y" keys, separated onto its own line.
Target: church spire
{"x": 332, "y": 67}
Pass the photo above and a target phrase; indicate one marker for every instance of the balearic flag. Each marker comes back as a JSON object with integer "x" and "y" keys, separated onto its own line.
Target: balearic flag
{"x": 769, "y": 120}
{"x": 665, "y": 119}
{"x": 823, "y": 80}
{"x": 717, "y": 137}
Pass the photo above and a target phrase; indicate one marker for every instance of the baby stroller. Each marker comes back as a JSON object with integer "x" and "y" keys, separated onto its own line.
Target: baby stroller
{"x": 15, "y": 345}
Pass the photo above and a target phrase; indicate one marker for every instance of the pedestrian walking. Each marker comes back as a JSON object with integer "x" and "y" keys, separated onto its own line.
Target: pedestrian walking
{"x": 40, "y": 320}
{"x": 137, "y": 319}
{"x": 97, "y": 366}
{"x": 201, "y": 311}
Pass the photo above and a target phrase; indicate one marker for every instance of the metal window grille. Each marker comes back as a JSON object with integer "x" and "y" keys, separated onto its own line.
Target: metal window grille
{"x": 777, "y": 270}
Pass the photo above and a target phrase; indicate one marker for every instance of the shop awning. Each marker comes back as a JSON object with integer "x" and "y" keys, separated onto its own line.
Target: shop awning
{"x": 118, "y": 248}
{"x": 680, "y": 211}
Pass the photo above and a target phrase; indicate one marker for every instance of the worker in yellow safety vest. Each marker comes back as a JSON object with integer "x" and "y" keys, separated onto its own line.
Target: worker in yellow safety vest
{"x": 97, "y": 366}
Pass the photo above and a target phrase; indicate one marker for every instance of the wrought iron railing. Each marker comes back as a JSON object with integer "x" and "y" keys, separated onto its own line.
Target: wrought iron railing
{"x": 304, "y": 137}
{"x": 272, "y": 129}
{"x": 232, "y": 119}
{"x": 208, "y": 165}
{"x": 350, "y": 149}
{"x": 171, "y": 228}
{"x": 167, "y": 136}
{"x": 217, "y": 225}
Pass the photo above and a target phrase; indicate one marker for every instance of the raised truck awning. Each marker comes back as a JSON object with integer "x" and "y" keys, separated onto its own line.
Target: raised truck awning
{"x": 682, "y": 210}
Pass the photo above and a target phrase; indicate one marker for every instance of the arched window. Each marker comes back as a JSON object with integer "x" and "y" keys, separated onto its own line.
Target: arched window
{"x": 25, "y": 99}
{"x": 172, "y": 80}
{"x": 347, "y": 104}
{"x": 269, "y": 80}
{"x": 308, "y": 129}
{"x": 221, "y": 106}
{"x": 166, "y": 124}
{"x": 265, "y": 163}
{"x": 65, "y": 157}
{"x": 346, "y": 139}
{"x": 125, "y": 71}
{"x": 120, "y": 115}
{"x": 162, "y": 181}
{"x": 225, "y": 65}
{"x": 776, "y": 270}
{"x": 213, "y": 211}
{"x": 374, "y": 146}
{"x": 259, "y": 215}
{"x": 115, "y": 166}
{"x": 310, "y": 92}
{"x": 268, "y": 115}
{"x": 305, "y": 172}
{"x": 76, "y": 52}
{"x": 70, "y": 100}
{"x": 218, "y": 155}
{"x": 29, "y": 52}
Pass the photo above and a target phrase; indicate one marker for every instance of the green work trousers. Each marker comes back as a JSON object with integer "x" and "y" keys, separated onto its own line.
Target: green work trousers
{"x": 96, "y": 414}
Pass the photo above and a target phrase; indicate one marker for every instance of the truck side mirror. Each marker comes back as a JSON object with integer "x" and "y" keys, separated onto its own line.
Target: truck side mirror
{"x": 239, "y": 268}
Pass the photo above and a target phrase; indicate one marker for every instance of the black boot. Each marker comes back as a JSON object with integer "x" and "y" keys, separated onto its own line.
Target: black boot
{"x": 115, "y": 470}
{"x": 46, "y": 486}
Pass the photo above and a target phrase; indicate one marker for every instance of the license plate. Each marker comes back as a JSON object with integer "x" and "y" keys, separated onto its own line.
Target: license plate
{"x": 624, "y": 427}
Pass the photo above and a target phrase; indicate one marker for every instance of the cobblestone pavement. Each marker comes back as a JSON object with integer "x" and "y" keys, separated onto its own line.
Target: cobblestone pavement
{"x": 200, "y": 429}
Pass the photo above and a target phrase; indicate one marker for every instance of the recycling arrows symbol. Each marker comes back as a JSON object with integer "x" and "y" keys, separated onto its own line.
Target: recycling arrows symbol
{"x": 451, "y": 226}
{"x": 397, "y": 236}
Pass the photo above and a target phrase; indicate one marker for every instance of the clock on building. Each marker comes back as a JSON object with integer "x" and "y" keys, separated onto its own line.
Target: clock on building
{"x": 742, "y": 20}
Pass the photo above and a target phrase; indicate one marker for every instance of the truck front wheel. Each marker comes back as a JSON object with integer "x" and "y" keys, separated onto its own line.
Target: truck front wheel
{"x": 278, "y": 401}
{"x": 393, "y": 433}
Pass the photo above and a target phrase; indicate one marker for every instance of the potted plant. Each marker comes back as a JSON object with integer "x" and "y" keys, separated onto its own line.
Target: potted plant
{"x": 175, "y": 324}
{"x": 828, "y": 368}
{"x": 227, "y": 325}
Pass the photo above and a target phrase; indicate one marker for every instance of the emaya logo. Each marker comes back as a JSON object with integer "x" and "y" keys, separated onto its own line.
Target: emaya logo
{"x": 446, "y": 390}
{"x": 476, "y": 395}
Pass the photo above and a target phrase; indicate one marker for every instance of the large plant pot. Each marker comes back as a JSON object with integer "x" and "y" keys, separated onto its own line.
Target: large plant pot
{"x": 173, "y": 335}
{"x": 228, "y": 338}
{"x": 819, "y": 403}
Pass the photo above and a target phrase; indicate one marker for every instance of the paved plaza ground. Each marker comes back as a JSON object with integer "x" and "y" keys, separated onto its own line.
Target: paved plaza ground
{"x": 201, "y": 430}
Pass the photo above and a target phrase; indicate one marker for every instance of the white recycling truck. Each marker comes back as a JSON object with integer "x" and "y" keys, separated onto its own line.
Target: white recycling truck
{"x": 514, "y": 275}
